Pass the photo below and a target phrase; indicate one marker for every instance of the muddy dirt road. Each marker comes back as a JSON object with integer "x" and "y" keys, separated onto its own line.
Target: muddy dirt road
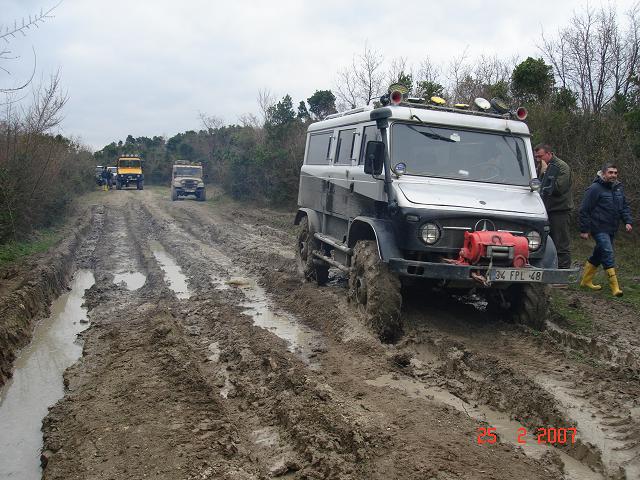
{"x": 207, "y": 357}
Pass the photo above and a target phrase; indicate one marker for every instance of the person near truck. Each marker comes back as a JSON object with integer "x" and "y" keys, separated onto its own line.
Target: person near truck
{"x": 603, "y": 206}
{"x": 556, "y": 178}
{"x": 106, "y": 179}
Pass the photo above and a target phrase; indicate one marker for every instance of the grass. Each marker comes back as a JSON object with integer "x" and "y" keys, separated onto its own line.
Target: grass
{"x": 628, "y": 267}
{"x": 572, "y": 315}
{"x": 40, "y": 242}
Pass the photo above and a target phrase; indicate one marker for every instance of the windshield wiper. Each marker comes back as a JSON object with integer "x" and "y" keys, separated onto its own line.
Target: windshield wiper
{"x": 433, "y": 135}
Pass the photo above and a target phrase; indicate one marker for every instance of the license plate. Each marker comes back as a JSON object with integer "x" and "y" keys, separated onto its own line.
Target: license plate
{"x": 516, "y": 275}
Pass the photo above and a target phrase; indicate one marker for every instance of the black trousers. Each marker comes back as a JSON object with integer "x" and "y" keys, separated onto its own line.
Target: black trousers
{"x": 559, "y": 223}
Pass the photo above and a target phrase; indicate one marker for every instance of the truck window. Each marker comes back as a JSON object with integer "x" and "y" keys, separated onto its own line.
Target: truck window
{"x": 370, "y": 133}
{"x": 318, "y": 150}
{"x": 345, "y": 146}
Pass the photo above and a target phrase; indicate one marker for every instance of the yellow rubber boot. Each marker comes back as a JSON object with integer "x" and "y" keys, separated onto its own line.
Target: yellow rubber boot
{"x": 613, "y": 282}
{"x": 587, "y": 277}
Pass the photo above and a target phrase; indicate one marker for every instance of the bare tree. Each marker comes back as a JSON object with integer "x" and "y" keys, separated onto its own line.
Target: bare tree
{"x": 593, "y": 56}
{"x": 266, "y": 100}
{"x": 10, "y": 32}
{"x": 362, "y": 81}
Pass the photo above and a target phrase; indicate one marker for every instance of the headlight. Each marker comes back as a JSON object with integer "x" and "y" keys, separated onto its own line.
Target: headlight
{"x": 430, "y": 233}
{"x": 535, "y": 240}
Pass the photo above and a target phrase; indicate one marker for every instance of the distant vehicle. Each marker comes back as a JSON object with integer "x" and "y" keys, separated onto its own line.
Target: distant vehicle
{"x": 114, "y": 175}
{"x": 129, "y": 172}
{"x": 187, "y": 179}
{"x": 98, "y": 175}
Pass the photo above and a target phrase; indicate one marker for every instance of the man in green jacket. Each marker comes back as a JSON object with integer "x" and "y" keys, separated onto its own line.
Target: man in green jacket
{"x": 556, "y": 194}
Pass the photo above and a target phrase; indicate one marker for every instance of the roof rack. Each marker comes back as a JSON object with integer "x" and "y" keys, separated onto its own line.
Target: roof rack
{"x": 187, "y": 162}
{"x": 349, "y": 112}
{"x": 441, "y": 108}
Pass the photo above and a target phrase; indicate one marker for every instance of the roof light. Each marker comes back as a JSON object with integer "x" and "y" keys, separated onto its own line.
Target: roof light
{"x": 461, "y": 105}
{"x": 396, "y": 97}
{"x": 438, "y": 100}
{"x": 499, "y": 105}
{"x": 482, "y": 103}
{"x": 521, "y": 113}
{"x": 400, "y": 87}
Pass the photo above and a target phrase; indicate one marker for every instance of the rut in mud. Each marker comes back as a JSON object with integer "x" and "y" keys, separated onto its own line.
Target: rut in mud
{"x": 208, "y": 357}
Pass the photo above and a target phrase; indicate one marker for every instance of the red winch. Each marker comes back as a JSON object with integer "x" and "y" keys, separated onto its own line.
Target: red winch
{"x": 498, "y": 247}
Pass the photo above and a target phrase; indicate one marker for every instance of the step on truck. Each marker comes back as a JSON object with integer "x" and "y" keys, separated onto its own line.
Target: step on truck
{"x": 129, "y": 172}
{"x": 414, "y": 192}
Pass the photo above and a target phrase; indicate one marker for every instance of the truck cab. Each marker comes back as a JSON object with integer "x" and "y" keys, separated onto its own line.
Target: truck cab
{"x": 187, "y": 179}
{"x": 415, "y": 192}
{"x": 129, "y": 172}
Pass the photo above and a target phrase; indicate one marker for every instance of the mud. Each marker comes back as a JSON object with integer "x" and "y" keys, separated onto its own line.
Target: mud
{"x": 243, "y": 371}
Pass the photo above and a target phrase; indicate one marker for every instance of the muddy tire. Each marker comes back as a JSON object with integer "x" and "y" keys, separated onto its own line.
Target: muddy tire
{"x": 202, "y": 196}
{"x": 174, "y": 194}
{"x": 140, "y": 186}
{"x": 118, "y": 185}
{"x": 308, "y": 268}
{"x": 376, "y": 290}
{"x": 526, "y": 304}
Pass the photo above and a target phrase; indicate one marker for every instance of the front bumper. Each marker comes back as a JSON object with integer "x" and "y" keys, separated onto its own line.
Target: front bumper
{"x": 475, "y": 273}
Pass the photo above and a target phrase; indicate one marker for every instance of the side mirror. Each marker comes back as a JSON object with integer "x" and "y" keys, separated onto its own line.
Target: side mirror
{"x": 374, "y": 158}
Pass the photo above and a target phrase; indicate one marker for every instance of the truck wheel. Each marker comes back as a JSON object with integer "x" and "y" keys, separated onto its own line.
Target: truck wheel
{"x": 139, "y": 185}
{"x": 527, "y": 304}
{"x": 202, "y": 196}
{"x": 174, "y": 195}
{"x": 307, "y": 267}
{"x": 118, "y": 185}
{"x": 376, "y": 290}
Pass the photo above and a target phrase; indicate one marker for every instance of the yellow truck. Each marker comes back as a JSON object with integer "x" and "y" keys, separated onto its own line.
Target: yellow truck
{"x": 129, "y": 172}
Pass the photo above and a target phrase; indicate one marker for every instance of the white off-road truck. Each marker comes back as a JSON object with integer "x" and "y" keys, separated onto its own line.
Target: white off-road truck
{"x": 187, "y": 179}
{"x": 414, "y": 192}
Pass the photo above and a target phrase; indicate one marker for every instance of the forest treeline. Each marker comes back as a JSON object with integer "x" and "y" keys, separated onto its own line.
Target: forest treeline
{"x": 582, "y": 92}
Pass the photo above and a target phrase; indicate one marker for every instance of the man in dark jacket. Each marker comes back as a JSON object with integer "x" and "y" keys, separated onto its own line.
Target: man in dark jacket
{"x": 555, "y": 190}
{"x": 603, "y": 206}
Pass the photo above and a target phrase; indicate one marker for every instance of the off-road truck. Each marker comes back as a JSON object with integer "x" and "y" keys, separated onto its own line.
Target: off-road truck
{"x": 187, "y": 179}
{"x": 412, "y": 192}
{"x": 129, "y": 172}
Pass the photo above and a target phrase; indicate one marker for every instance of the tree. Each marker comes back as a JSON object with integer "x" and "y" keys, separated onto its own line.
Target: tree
{"x": 281, "y": 113}
{"x": 594, "y": 57}
{"x": 303, "y": 113}
{"x": 362, "y": 81}
{"x": 322, "y": 103}
{"x": 532, "y": 80}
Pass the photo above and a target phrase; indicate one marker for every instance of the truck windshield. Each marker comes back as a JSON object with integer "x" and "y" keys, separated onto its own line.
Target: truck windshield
{"x": 460, "y": 154}
{"x": 188, "y": 172}
{"x": 129, "y": 163}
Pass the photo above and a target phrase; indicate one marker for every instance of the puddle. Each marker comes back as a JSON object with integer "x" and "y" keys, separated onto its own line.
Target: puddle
{"x": 132, "y": 280}
{"x": 597, "y": 430}
{"x": 37, "y": 381}
{"x": 176, "y": 280}
{"x": 303, "y": 341}
{"x": 506, "y": 428}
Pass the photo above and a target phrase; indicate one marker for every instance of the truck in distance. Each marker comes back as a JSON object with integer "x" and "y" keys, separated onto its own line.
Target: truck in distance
{"x": 129, "y": 172}
{"x": 187, "y": 179}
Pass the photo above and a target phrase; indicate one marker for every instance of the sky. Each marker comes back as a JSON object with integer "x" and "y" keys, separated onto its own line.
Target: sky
{"x": 147, "y": 68}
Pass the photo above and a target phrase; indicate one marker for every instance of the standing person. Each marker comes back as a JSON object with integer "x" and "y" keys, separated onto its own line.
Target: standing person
{"x": 106, "y": 174}
{"x": 603, "y": 206}
{"x": 556, "y": 179}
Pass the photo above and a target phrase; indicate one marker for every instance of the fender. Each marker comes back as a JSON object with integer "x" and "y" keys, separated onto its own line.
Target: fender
{"x": 313, "y": 218}
{"x": 383, "y": 233}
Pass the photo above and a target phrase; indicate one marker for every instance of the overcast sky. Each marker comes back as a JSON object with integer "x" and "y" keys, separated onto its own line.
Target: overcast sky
{"x": 148, "y": 68}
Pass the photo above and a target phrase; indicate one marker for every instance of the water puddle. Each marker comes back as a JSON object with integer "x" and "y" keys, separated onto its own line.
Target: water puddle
{"x": 131, "y": 280}
{"x": 594, "y": 428}
{"x": 37, "y": 381}
{"x": 303, "y": 341}
{"x": 176, "y": 280}
{"x": 507, "y": 429}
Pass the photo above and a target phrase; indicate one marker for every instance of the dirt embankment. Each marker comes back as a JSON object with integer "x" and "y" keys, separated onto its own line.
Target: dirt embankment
{"x": 28, "y": 288}
{"x": 246, "y": 372}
